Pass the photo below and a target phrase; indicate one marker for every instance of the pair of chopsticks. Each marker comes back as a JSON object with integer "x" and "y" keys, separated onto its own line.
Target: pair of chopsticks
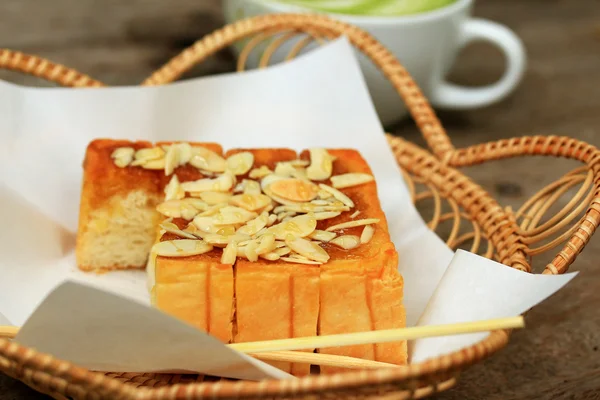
{"x": 283, "y": 349}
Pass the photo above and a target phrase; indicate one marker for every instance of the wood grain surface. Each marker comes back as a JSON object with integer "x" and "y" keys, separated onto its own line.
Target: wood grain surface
{"x": 557, "y": 356}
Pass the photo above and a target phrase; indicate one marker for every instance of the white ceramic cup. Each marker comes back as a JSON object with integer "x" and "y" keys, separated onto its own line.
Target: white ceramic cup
{"x": 426, "y": 44}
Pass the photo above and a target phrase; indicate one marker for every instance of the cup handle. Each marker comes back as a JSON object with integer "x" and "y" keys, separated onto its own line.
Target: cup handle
{"x": 448, "y": 95}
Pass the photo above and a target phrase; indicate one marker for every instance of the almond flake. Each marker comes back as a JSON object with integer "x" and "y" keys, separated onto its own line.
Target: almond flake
{"x": 321, "y": 165}
{"x": 221, "y": 240}
{"x": 351, "y": 179}
{"x": 212, "y": 210}
{"x": 355, "y": 214}
{"x": 240, "y": 163}
{"x": 213, "y": 198}
{"x": 326, "y": 215}
{"x": 252, "y": 227}
{"x": 300, "y": 226}
{"x": 338, "y": 195}
{"x": 298, "y": 163}
{"x": 250, "y": 251}
{"x": 320, "y": 202}
{"x": 205, "y": 159}
{"x": 282, "y": 251}
{"x": 181, "y": 248}
{"x": 181, "y": 208}
{"x": 251, "y": 187}
{"x": 367, "y": 234}
{"x": 229, "y": 253}
{"x": 322, "y": 194}
{"x": 250, "y": 202}
{"x": 174, "y": 229}
{"x": 171, "y": 160}
{"x": 285, "y": 214}
{"x": 123, "y": 156}
{"x": 294, "y": 189}
{"x": 322, "y": 236}
{"x": 306, "y": 248}
{"x": 259, "y": 173}
{"x": 185, "y": 152}
{"x": 299, "y": 260}
{"x": 272, "y": 219}
{"x": 284, "y": 169}
{"x": 233, "y": 215}
{"x": 222, "y": 183}
{"x": 352, "y": 224}
{"x": 347, "y": 242}
{"x": 270, "y": 256}
{"x": 206, "y": 224}
{"x": 154, "y": 164}
{"x": 266, "y": 244}
{"x": 148, "y": 154}
{"x": 173, "y": 190}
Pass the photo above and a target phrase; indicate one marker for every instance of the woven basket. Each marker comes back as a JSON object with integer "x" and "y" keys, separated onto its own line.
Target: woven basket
{"x": 463, "y": 213}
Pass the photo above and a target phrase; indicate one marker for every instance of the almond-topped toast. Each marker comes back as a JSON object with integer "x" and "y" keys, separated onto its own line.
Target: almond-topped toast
{"x": 253, "y": 244}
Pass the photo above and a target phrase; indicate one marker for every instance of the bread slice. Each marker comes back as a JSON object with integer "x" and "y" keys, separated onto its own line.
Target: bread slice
{"x": 357, "y": 288}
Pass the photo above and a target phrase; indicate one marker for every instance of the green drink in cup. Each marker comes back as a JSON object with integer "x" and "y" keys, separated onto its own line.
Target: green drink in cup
{"x": 371, "y": 7}
{"x": 425, "y": 35}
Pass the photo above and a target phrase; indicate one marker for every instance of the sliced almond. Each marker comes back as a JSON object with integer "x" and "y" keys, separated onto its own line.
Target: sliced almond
{"x": 367, "y": 234}
{"x": 174, "y": 229}
{"x": 322, "y": 236}
{"x": 253, "y": 226}
{"x": 350, "y": 179}
{"x": 144, "y": 155}
{"x": 251, "y": 187}
{"x": 153, "y": 164}
{"x": 338, "y": 195}
{"x": 250, "y": 251}
{"x": 250, "y": 202}
{"x": 307, "y": 207}
{"x": 272, "y": 219}
{"x": 352, "y": 224}
{"x": 212, "y": 210}
{"x": 171, "y": 160}
{"x": 326, "y": 215}
{"x": 173, "y": 190}
{"x": 185, "y": 152}
{"x": 270, "y": 256}
{"x": 306, "y": 248}
{"x": 212, "y": 198}
{"x": 123, "y": 156}
{"x": 178, "y": 208}
{"x": 347, "y": 242}
{"x": 320, "y": 202}
{"x": 231, "y": 215}
{"x": 229, "y": 253}
{"x": 300, "y": 260}
{"x": 294, "y": 189}
{"x": 282, "y": 251}
{"x": 322, "y": 194}
{"x": 284, "y": 169}
{"x": 240, "y": 163}
{"x": 266, "y": 244}
{"x": 259, "y": 173}
{"x": 222, "y": 183}
{"x": 181, "y": 248}
{"x": 300, "y": 226}
{"x": 321, "y": 165}
{"x": 298, "y": 163}
{"x": 205, "y": 159}
{"x": 355, "y": 214}
{"x": 206, "y": 224}
{"x": 281, "y": 216}
{"x": 222, "y": 240}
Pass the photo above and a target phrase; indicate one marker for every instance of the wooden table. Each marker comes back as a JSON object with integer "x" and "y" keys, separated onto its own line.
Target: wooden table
{"x": 557, "y": 356}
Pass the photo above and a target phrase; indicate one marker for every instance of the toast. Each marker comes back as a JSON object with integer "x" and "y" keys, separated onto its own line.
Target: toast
{"x": 253, "y": 244}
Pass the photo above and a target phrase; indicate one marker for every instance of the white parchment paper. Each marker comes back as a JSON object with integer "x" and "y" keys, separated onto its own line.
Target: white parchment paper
{"x": 319, "y": 99}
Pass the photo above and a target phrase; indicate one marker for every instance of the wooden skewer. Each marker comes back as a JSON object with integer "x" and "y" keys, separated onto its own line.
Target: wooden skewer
{"x": 382, "y": 336}
{"x": 329, "y": 360}
{"x": 279, "y": 350}
{"x": 8, "y": 332}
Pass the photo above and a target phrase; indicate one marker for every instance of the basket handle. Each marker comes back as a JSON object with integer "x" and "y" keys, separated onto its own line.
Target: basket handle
{"x": 45, "y": 69}
{"x": 419, "y": 107}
